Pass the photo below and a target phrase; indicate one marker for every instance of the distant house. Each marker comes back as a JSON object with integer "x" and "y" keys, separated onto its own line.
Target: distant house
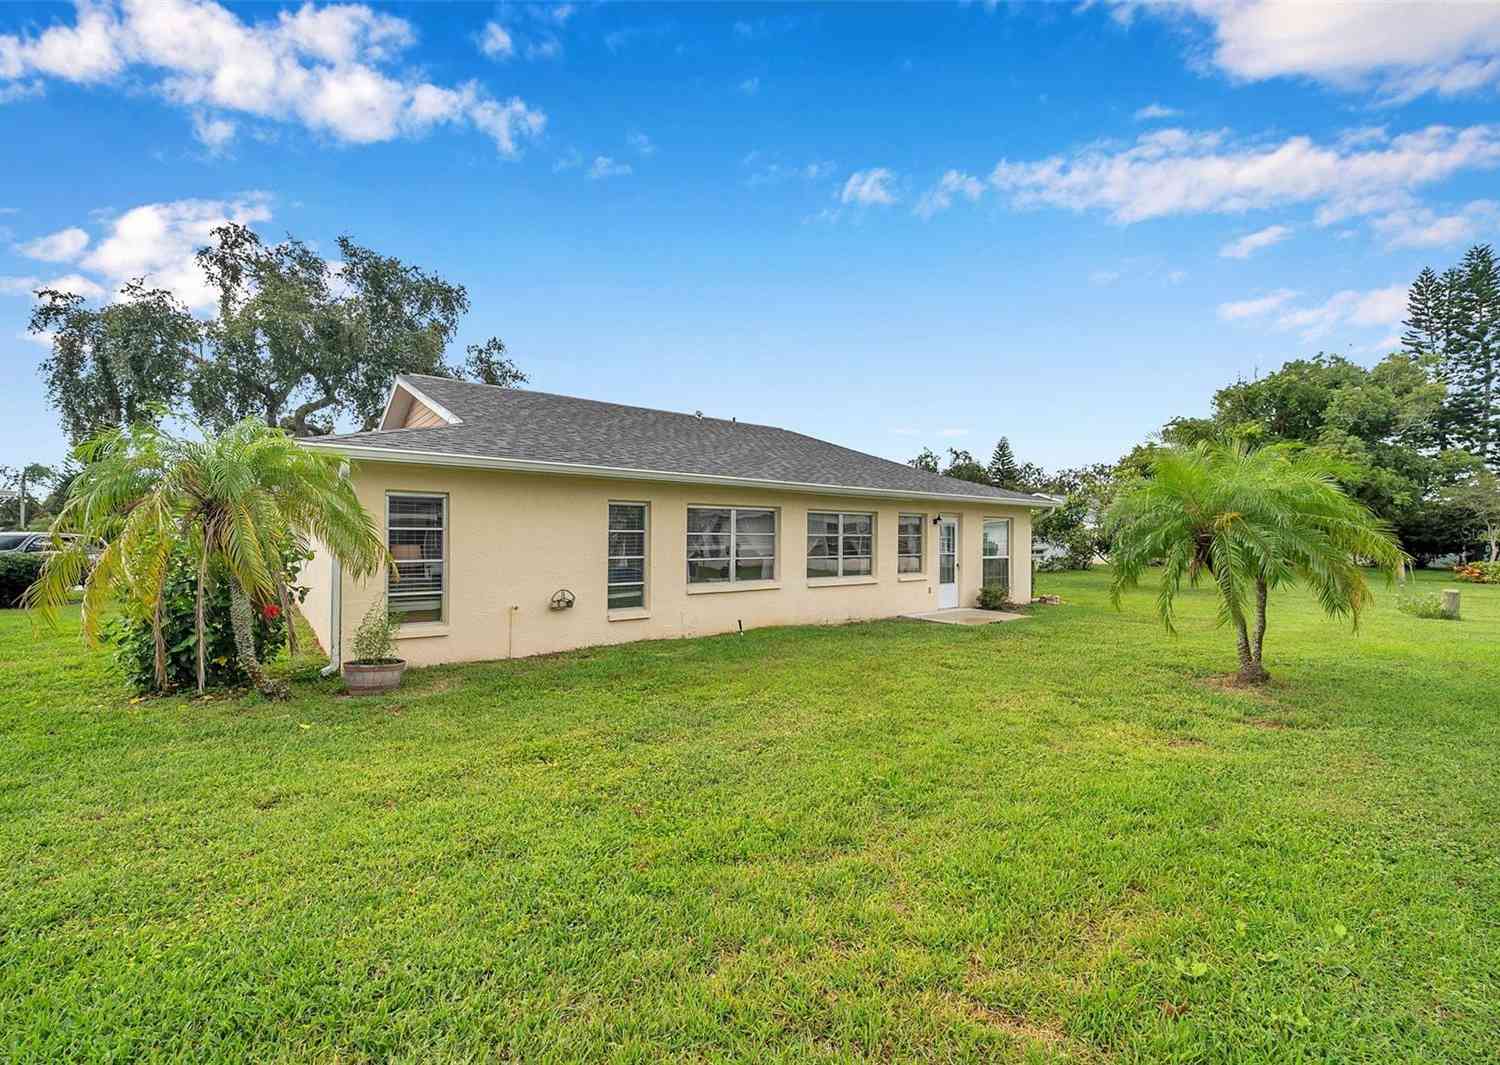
{"x": 523, "y": 523}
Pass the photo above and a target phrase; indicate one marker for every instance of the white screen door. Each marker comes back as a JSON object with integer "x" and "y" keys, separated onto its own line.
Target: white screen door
{"x": 947, "y": 563}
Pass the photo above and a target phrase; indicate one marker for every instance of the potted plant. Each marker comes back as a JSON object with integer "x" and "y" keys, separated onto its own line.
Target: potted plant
{"x": 374, "y": 667}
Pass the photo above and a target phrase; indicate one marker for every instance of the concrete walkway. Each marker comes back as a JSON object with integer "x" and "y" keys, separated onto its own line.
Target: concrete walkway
{"x": 962, "y": 615}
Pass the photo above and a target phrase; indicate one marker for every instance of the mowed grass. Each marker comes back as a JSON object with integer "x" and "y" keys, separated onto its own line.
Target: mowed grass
{"x": 1056, "y": 839}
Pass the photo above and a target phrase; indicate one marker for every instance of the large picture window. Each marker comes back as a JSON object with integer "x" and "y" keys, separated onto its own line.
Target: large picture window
{"x": 910, "y": 540}
{"x": 727, "y": 544}
{"x": 839, "y": 545}
{"x": 417, "y": 535}
{"x": 997, "y": 553}
{"x": 627, "y": 556}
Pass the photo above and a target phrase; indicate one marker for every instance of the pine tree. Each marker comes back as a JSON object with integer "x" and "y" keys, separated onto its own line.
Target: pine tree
{"x": 1003, "y": 470}
{"x": 1430, "y": 334}
{"x": 1429, "y": 317}
{"x": 1475, "y": 375}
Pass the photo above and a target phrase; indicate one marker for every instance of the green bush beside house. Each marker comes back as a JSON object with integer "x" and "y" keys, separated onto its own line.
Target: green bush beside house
{"x": 130, "y": 638}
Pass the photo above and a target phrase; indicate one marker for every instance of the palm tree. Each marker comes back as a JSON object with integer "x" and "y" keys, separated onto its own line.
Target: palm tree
{"x": 1253, "y": 519}
{"x": 239, "y": 501}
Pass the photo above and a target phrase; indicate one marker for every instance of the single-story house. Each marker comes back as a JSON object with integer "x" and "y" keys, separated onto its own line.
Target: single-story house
{"x": 522, "y": 523}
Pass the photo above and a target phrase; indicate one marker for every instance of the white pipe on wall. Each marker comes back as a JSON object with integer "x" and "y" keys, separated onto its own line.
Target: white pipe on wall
{"x": 335, "y": 620}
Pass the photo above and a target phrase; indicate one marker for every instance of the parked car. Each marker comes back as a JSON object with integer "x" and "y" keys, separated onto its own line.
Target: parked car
{"x": 36, "y": 542}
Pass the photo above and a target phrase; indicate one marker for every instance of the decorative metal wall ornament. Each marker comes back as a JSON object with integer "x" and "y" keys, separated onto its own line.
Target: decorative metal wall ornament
{"x": 562, "y": 599}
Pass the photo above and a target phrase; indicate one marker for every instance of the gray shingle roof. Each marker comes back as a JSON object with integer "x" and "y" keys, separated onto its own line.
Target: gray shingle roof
{"x": 515, "y": 424}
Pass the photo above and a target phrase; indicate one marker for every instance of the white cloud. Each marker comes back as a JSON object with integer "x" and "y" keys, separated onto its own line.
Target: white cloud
{"x": 1175, "y": 171}
{"x": 1422, "y": 227}
{"x": 750, "y": 86}
{"x": 22, "y": 90}
{"x": 1400, "y": 50}
{"x": 1250, "y": 243}
{"x": 940, "y": 196}
{"x": 547, "y": 48}
{"x": 605, "y": 167}
{"x": 772, "y": 172}
{"x": 641, "y": 143}
{"x": 495, "y": 41}
{"x": 157, "y": 241}
{"x": 1151, "y": 112}
{"x": 1104, "y": 277}
{"x": 531, "y": 30}
{"x": 61, "y": 247}
{"x": 1377, "y": 307}
{"x": 571, "y": 159}
{"x": 332, "y": 69}
{"x": 868, "y": 188}
{"x": 949, "y": 434}
{"x": 76, "y": 284}
{"x": 85, "y": 52}
{"x": 1254, "y": 308}
{"x": 213, "y": 133}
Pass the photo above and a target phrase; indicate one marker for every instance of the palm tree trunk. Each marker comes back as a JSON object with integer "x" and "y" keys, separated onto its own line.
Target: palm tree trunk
{"x": 1242, "y": 644}
{"x": 241, "y": 619}
{"x": 200, "y": 630}
{"x": 1252, "y": 669}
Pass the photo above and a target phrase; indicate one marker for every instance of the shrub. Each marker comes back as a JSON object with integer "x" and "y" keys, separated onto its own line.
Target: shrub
{"x": 1421, "y": 604}
{"x": 1079, "y": 548}
{"x": 18, "y": 572}
{"x": 129, "y": 633}
{"x": 995, "y": 597}
{"x": 375, "y": 639}
{"x": 1478, "y": 572}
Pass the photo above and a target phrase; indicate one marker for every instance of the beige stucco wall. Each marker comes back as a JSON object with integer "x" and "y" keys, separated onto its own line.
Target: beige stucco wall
{"x": 315, "y": 577}
{"x": 514, "y": 539}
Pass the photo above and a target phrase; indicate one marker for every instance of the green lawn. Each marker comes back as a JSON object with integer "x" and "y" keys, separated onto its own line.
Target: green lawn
{"x": 1056, "y": 839}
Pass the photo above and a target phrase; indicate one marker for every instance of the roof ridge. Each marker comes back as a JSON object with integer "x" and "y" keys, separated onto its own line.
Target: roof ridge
{"x": 605, "y": 403}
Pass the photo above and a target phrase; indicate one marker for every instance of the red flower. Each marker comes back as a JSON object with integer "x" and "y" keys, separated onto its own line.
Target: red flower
{"x": 270, "y": 611}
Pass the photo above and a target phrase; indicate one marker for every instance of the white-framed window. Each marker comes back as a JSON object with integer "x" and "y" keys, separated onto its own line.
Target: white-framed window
{"x": 911, "y": 539}
{"x": 727, "y": 544}
{"x": 839, "y": 544}
{"x": 996, "y": 553}
{"x": 416, "y": 532}
{"x": 626, "y": 579}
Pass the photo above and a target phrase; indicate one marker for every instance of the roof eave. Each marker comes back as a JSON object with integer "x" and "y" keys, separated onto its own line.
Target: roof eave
{"x": 412, "y": 456}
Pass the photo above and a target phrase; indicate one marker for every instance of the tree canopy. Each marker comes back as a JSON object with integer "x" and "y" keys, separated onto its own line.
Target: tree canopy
{"x": 296, "y": 340}
{"x": 299, "y": 339}
{"x": 1251, "y": 519}
{"x": 123, "y": 363}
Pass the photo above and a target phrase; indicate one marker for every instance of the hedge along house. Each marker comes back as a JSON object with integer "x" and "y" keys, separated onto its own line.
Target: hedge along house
{"x": 522, "y": 522}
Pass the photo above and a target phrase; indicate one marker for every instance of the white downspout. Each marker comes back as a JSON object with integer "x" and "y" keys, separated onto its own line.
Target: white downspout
{"x": 335, "y": 621}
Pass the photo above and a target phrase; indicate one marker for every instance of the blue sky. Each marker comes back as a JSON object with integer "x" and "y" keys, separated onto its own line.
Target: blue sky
{"x": 889, "y": 226}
